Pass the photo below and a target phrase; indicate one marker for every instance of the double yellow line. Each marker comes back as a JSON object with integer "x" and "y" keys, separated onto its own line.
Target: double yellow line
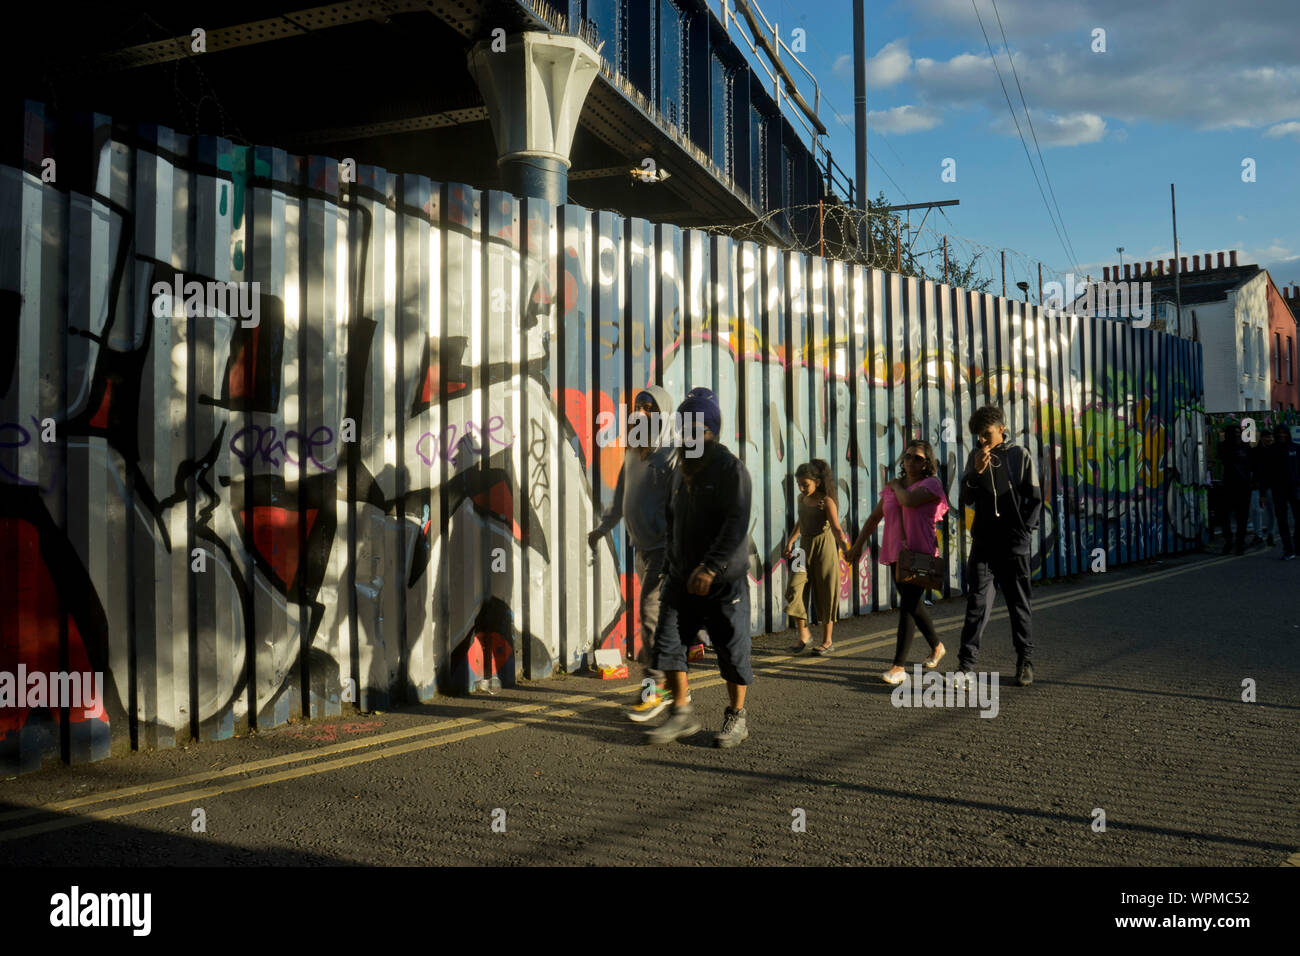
{"x": 423, "y": 738}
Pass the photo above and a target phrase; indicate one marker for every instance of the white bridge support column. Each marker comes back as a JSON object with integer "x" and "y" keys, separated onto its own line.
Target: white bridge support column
{"x": 534, "y": 89}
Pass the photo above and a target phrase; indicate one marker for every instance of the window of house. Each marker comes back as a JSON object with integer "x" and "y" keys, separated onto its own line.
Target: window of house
{"x": 1290, "y": 368}
{"x": 1277, "y": 356}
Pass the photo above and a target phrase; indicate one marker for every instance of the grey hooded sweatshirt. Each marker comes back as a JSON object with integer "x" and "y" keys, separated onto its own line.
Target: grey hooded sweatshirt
{"x": 642, "y": 491}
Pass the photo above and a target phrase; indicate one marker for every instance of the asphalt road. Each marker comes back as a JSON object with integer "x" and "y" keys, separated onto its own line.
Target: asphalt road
{"x": 1136, "y": 710}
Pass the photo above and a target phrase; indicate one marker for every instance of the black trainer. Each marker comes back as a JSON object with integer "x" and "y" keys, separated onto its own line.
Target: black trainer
{"x": 1024, "y": 673}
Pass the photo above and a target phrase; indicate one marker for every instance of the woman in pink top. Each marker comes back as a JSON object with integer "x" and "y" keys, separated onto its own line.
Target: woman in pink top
{"x": 910, "y": 506}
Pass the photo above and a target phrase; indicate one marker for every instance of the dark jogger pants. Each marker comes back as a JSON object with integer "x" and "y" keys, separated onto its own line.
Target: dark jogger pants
{"x": 912, "y": 616}
{"x": 1236, "y": 501}
{"x": 1285, "y": 508}
{"x": 1011, "y": 574}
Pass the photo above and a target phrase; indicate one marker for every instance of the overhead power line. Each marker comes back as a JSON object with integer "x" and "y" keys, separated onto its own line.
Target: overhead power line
{"x": 1074, "y": 258}
{"x": 1021, "y": 134}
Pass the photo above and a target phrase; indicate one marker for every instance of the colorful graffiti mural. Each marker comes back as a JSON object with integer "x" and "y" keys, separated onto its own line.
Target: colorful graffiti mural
{"x": 382, "y": 490}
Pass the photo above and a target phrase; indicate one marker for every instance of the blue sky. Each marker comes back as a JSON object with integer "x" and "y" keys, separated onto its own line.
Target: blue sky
{"x": 1184, "y": 92}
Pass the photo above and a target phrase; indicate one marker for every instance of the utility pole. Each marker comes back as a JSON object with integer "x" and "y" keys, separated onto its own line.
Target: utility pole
{"x": 1178, "y": 292}
{"x": 860, "y": 121}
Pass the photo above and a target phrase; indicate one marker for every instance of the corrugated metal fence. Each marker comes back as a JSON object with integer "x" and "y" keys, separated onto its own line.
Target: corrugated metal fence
{"x": 382, "y": 489}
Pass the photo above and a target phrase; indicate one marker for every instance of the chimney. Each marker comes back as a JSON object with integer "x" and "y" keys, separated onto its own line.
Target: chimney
{"x": 1148, "y": 272}
{"x": 1172, "y": 270}
{"x": 1233, "y": 257}
{"x": 1196, "y": 263}
{"x": 1182, "y": 266}
{"x": 1105, "y": 273}
{"x": 1220, "y": 260}
{"x": 1160, "y": 267}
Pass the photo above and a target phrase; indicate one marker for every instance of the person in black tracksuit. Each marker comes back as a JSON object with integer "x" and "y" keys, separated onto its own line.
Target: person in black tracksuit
{"x": 706, "y": 575}
{"x": 1235, "y": 459}
{"x": 1280, "y": 473}
{"x": 1001, "y": 485}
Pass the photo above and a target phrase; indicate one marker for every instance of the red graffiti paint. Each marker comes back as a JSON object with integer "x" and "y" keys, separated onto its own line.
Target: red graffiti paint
{"x": 330, "y": 732}
{"x": 500, "y": 501}
{"x": 577, "y": 411}
{"x": 577, "y": 407}
{"x": 29, "y": 629}
{"x": 243, "y": 369}
{"x": 275, "y": 537}
{"x": 100, "y": 419}
{"x": 431, "y": 390}
{"x": 487, "y": 655}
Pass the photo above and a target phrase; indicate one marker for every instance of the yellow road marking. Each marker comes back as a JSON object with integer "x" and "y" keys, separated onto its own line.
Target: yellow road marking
{"x": 529, "y": 714}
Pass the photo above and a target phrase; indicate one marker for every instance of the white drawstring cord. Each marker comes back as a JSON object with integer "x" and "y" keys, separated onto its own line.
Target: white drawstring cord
{"x": 994, "y": 461}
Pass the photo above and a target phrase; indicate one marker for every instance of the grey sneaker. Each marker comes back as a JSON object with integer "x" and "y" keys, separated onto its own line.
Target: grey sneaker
{"x": 680, "y": 723}
{"x": 733, "y": 729}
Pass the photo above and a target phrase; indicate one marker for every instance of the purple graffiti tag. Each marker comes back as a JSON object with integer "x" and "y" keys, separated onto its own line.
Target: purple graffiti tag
{"x": 24, "y": 439}
{"x": 429, "y": 445}
{"x": 254, "y": 442}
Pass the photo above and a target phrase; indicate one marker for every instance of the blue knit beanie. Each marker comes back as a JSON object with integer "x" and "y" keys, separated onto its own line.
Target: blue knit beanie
{"x": 700, "y": 401}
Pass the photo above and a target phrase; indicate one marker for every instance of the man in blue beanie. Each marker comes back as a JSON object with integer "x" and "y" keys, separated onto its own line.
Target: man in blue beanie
{"x": 707, "y": 572}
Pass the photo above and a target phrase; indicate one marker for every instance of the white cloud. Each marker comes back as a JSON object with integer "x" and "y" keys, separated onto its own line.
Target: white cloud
{"x": 1285, "y": 129}
{"x": 890, "y": 65}
{"x": 843, "y": 68}
{"x": 1245, "y": 77}
{"x": 904, "y": 119}
{"x": 1074, "y": 129}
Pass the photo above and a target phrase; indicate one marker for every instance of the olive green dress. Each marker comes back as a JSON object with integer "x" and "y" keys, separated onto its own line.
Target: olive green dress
{"x": 822, "y": 558}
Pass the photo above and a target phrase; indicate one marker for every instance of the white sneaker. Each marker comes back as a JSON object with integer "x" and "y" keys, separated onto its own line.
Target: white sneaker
{"x": 960, "y": 679}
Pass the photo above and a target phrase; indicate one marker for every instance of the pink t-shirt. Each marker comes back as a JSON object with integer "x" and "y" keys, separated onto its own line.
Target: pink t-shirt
{"x": 918, "y": 523}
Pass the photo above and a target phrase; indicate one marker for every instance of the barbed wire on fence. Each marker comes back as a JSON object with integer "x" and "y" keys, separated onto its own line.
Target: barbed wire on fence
{"x": 835, "y": 231}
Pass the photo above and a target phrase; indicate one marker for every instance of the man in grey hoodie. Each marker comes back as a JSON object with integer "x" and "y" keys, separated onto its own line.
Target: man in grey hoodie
{"x": 640, "y": 498}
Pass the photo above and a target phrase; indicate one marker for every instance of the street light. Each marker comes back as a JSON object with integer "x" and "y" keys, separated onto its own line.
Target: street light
{"x": 1120, "y": 250}
{"x": 1024, "y": 287}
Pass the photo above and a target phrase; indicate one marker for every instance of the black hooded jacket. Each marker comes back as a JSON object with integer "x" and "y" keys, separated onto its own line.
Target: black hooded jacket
{"x": 708, "y": 518}
{"x": 1008, "y": 519}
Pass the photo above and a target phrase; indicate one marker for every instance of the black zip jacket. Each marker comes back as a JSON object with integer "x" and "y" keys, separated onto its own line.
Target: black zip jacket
{"x": 1009, "y": 518}
{"x": 1279, "y": 467}
{"x": 1236, "y": 463}
{"x": 708, "y": 518}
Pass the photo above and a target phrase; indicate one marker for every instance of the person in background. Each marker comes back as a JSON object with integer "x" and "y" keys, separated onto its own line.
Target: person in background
{"x": 910, "y": 507}
{"x": 707, "y": 576}
{"x": 1236, "y": 486}
{"x": 1281, "y": 473}
{"x": 819, "y": 530}
{"x": 1000, "y": 484}
{"x": 701, "y": 642}
{"x": 640, "y": 498}
{"x": 1261, "y": 496}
